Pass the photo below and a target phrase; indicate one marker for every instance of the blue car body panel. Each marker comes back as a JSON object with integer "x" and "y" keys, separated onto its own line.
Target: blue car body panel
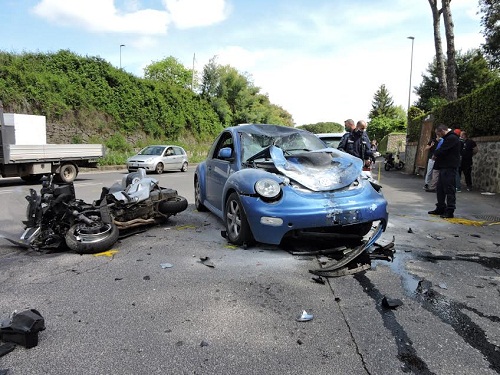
{"x": 320, "y": 188}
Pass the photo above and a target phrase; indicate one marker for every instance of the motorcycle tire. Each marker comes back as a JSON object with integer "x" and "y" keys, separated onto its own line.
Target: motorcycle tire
{"x": 173, "y": 206}
{"x": 400, "y": 165}
{"x": 85, "y": 239}
{"x": 387, "y": 166}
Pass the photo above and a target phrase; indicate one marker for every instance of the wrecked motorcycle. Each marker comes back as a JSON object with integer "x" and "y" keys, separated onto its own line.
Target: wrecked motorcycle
{"x": 139, "y": 201}
{"x": 56, "y": 218}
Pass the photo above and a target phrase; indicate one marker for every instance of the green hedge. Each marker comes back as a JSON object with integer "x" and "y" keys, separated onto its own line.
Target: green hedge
{"x": 478, "y": 113}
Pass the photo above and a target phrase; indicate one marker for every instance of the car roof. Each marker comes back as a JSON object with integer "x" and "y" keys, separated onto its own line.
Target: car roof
{"x": 266, "y": 129}
{"x": 162, "y": 146}
{"x": 325, "y": 135}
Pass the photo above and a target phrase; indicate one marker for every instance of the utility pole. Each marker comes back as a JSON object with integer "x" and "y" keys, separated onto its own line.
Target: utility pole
{"x": 121, "y": 45}
{"x": 192, "y": 73}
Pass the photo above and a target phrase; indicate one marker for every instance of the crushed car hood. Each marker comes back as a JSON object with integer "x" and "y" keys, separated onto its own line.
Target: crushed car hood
{"x": 321, "y": 170}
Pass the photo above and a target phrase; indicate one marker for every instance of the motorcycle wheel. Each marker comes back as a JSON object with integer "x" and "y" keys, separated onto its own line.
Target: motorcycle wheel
{"x": 173, "y": 206}
{"x": 85, "y": 239}
{"x": 387, "y": 166}
{"x": 400, "y": 165}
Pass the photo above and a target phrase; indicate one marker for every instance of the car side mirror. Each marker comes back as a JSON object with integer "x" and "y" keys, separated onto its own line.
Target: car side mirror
{"x": 225, "y": 153}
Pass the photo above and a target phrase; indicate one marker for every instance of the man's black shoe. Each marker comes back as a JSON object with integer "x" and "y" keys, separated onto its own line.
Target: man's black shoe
{"x": 447, "y": 215}
{"x": 436, "y": 212}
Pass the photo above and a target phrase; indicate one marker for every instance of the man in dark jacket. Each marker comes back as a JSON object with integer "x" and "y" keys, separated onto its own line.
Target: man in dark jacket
{"x": 447, "y": 161}
{"x": 357, "y": 143}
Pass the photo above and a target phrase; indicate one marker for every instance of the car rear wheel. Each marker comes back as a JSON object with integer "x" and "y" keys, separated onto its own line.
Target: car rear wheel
{"x": 184, "y": 167}
{"x": 237, "y": 228}
{"x": 197, "y": 196}
{"x": 159, "y": 168}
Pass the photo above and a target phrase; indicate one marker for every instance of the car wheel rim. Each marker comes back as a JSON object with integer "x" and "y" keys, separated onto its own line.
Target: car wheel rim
{"x": 197, "y": 192}
{"x": 234, "y": 219}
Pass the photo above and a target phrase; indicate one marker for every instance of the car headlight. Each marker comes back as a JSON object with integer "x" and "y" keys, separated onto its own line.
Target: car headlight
{"x": 267, "y": 188}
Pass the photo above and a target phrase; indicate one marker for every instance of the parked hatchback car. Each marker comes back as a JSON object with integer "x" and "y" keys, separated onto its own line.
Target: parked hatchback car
{"x": 159, "y": 158}
{"x": 268, "y": 182}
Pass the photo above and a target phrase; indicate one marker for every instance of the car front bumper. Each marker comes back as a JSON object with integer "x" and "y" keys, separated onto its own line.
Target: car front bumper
{"x": 270, "y": 222}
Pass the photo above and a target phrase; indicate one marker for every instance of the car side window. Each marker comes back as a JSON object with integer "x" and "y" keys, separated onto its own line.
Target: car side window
{"x": 169, "y": 152}
{"x": 226, "y": 140}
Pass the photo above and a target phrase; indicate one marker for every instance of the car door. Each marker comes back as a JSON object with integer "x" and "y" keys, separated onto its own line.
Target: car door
{"x": 218, "y": 171}
{"x": 169, "y": 159}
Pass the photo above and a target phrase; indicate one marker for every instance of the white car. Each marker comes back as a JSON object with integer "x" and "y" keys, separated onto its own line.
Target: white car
{"x": 331, "y": 139}
{"x": 159, "y": 158}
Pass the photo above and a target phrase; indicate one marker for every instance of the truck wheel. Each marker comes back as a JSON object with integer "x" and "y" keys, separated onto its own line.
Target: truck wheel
{"x": 67, "y": 173}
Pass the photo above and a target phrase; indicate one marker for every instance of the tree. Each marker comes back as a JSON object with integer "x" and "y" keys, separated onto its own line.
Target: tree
{"x": 441, "y": 68}
{"x": 236, "y": 99}
{"x": 472, "y": 73}
{"x": 382, "y": 104}
{"x": 490, "y": 20}
{"x": 170, "y": 71}
{"x": 451, "y": 73}
{"x": 323, "y": 127}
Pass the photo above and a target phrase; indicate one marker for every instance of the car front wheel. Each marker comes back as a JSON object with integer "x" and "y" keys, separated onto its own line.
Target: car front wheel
{"x": 197, "y": 196}
{"x": 159, "y": 168}
{"x": 237, "y": 228}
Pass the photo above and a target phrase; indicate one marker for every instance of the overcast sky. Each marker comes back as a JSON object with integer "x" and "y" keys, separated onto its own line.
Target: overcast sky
{"x": 321, "y": 60}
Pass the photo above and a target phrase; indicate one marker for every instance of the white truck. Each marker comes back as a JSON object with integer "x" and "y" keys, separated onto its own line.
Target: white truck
{"x": 25, "y": 153}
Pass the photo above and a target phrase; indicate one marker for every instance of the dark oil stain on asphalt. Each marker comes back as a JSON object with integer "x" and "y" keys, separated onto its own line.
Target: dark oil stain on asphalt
{"x": 490, "y": 262}
{"x": 448, "y": 311}
{"x": 406, "y": 352}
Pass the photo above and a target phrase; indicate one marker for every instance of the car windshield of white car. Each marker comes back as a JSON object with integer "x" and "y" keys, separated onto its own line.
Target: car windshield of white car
{"x": 152, "y": 151}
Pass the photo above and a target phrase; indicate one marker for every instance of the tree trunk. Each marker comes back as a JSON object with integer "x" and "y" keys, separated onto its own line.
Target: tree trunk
{"x": 441, "y": 69}
{"x": 451, "y": 66}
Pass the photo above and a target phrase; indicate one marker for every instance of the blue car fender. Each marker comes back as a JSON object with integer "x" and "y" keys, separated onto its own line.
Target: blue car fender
{"x": 200, "y": 174}
{"x": 243, "y": 181}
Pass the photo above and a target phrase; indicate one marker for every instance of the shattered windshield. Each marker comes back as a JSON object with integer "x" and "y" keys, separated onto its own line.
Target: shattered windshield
{"x": 302, "y": 157}
{"x": 290, "y": 143}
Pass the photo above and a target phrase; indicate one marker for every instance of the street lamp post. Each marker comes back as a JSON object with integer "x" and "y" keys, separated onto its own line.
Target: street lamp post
{"x": 411, "y": 68}
{"x": 121, "y": 45}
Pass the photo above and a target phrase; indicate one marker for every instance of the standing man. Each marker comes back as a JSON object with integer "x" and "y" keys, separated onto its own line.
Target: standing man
{"x": 357, "y": 143}
{"x": 446, "y": 161}
{"x": 469, "y": 149}
{"x": 349, "y": 126}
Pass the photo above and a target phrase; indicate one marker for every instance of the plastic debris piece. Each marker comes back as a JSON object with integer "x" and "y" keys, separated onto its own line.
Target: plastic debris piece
{"x": 443, "y": 286}
{"x": 166, "y": 265}
{"x": 487, "y": 193}
{"x": 424, "y": 286}
{"x": 204, "y": 343}
{"x": 6, "y": 348}
{"x": 475, "y": 235}
{"x": 318, "y": 279}
{"x": 439, "y": 238}
{"x": 409, "y": 230}
{"x": 109, "y": 253}
{"x": 391, "y": 303}
{"x": 304, "y": 317}
{"x": 146, "y": 278}
{"x": 300, "y": 342}
{"x": 207, "y": 262}
{"x": 23, "y": 328}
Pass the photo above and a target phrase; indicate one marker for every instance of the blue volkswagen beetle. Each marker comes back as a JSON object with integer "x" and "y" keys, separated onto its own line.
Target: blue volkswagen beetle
{"x": 269, "y": 182}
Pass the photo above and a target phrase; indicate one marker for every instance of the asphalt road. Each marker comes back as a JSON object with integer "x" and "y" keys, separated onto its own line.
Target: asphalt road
{"x": 125, "y": 314}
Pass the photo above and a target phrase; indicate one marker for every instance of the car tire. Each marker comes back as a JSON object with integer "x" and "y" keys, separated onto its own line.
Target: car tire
{"x": 197, "y": 196}
{"x": 159, "y": 168}
{"x": 237, "y": 229}
{"x": 184, "y": 167}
